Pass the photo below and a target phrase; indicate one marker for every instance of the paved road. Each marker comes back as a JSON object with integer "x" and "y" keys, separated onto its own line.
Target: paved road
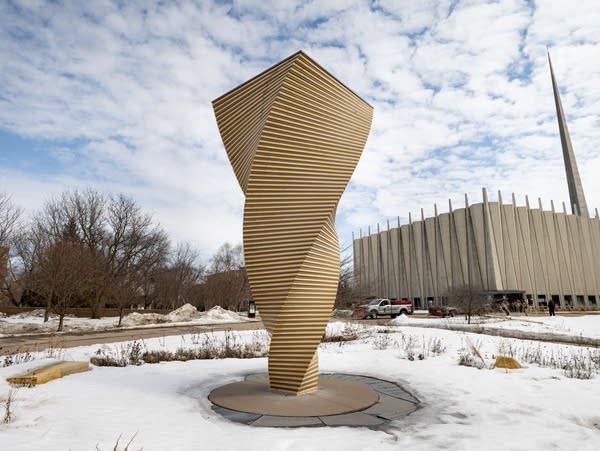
{"x": 32, "y": 343}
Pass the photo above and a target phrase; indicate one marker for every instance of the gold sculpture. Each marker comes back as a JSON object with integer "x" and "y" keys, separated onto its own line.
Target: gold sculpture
{"x": 294, "y": 135}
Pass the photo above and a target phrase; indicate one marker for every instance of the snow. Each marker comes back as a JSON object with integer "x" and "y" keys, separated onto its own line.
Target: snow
{"x": 186, "y": 312}
{"x": 580, "y": 326}
{"x": 33, "y": 322}
{"x": 533, "y": 408}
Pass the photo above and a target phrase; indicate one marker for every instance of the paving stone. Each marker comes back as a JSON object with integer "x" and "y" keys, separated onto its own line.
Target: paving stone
{"x": 394, "y": 403}
{"x": 289, "y": 422}
{"x": 352, "y": 419}
{"x": 397, "y": 392}
{"x": 391, "y": 408}
{"x": 233, "y": 415}
{"x": 255, "y": 377}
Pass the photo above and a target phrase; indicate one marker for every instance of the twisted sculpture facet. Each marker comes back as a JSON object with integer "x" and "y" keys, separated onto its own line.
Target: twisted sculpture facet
{"x": 294, "y": 135}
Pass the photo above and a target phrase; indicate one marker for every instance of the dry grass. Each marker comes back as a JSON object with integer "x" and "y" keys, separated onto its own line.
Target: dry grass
{"x": 207, "y": 347}
{"x": 127, "y": 445}
{"x": 575, "y": 362}
{"x": 54, "y": 351}
{"x": 350, "y": 332}
{"x": 471, "y": 356}
{"x": 507, "y": 362}
{"x": 7, "y": 404}
{"x": 119, "y": 356}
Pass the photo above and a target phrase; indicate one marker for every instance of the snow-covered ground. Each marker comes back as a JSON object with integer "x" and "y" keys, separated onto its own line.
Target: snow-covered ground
{"x": 33, "y": 322}
{"x": 533, "y": 408}
{"x": 587, "y": 326}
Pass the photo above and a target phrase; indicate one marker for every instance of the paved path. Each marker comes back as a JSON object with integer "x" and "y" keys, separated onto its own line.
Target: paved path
{"x": 32, "y": 343}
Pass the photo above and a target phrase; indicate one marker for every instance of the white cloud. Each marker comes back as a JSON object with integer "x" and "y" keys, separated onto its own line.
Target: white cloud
{"x": 122, "y": 96}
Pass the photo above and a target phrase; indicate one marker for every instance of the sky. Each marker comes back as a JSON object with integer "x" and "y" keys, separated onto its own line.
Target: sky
{"x": 116, "y": 95}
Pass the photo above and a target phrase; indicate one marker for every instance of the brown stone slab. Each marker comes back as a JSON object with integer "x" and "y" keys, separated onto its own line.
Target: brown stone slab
{"x": 333, "y": 397}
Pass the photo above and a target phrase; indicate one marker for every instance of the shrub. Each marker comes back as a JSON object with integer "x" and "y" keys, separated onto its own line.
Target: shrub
{"x": 229, "y": 346}
{"x": 7, "y": 403}
{"x": 350, "y": 332}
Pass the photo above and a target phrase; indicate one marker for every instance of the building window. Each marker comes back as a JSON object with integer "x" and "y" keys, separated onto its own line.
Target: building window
{"x": 542, "y": 300}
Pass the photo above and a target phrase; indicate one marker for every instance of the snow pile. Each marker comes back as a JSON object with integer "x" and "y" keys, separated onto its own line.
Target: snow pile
{"x": 141, "y": 319}
{"x": 220, "y": 314}
{"x": 2, "y": 315}
{"x": 186, "y": 312}
{"x": 341, "y": 313}
{"x": 401, "y": 320}
{"x": 462, "y": 407}
{"x": 33, "y": 314}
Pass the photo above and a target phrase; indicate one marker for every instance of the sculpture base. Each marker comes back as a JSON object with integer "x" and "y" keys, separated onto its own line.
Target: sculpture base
{"x": 334, "y": 396}
{"x": 256, "y": 405}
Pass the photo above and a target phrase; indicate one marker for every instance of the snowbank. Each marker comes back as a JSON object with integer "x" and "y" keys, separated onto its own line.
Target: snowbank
{"x": 220, "y": 314}
{"x": 584, "y": 326}
{"x": 401, "y": 320}
{"x": 142, "y": 319}
{"x": 186, "y": 312}
{"x": 32, "y": 322}
{"x": 533, "y": 408}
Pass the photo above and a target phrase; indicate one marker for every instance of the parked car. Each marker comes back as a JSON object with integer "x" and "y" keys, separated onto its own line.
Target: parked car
{"x": 442, "y": 310}
{"x": 384, "y": 307}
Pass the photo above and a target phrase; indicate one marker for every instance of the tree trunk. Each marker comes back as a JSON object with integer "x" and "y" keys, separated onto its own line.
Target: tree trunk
{"x": 96, "y": 306}
{"x": 48, "y": 306}
{"x": 61, "y": 316}
{"x": 121, "y": 308}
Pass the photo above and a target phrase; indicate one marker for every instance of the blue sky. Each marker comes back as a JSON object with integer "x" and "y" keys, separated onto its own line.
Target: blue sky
{"x": 117, "y": 96}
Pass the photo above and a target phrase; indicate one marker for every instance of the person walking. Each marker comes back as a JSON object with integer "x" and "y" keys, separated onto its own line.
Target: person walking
{"x": 551, "y": 307}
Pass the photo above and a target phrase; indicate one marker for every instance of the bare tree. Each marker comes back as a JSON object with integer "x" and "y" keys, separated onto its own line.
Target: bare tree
{"x": 345, "y": 292}
{"x": 227, "y": 282}
{"x": 227, "y": 258}
{"x": 135, "y": 247}
{"x": 62, "y": 272}
{"x": 469, "y": 301}
{"x": 123, "y": 242}
{"x": 9, "y": 220}
{"x": 176, "y": 282}
{"x": 124, "y": 290}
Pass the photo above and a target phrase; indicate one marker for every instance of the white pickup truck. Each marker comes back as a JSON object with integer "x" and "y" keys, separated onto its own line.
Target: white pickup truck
{"x": 382, "y": 307}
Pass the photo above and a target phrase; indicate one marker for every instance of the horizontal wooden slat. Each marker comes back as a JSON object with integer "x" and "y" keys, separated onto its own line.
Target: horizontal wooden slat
{"x": 293, "y": 135}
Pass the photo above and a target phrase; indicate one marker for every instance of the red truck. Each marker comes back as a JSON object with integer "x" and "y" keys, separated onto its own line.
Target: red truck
{"x": 442, "y": 311}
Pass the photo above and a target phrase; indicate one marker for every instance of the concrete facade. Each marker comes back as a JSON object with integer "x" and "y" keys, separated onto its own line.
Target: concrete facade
{"x": 494, "y": 247}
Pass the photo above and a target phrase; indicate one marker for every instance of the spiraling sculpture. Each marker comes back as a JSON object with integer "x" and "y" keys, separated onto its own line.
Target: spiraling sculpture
{"x": 294, "y": 135}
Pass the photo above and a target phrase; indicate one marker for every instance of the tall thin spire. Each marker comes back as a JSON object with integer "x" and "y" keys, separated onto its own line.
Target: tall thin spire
{"x": 578, "y": 204}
